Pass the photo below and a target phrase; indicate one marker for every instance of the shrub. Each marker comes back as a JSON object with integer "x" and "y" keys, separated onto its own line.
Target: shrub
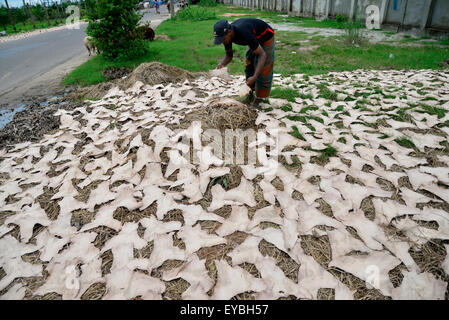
{"x": 341, "y": 18}
{"x": 112, "y": 24}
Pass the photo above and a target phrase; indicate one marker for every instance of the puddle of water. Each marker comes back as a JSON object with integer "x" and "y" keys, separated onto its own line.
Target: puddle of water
{"x": 6, "y": 116}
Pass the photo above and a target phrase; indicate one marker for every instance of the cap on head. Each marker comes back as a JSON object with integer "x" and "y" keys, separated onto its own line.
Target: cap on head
{"x": 220, "y": 29}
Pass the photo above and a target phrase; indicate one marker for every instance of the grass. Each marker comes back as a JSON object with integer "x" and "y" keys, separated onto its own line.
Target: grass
{"x": 296, "y": 133}
{"x": 195, "y": 13}
{"x": 29, "y": 26}
{"x": 439, "y": 112}
{"x": 289, "y": 94}
{"x": 325, "y": 154}
{"x": 191, "y": 48}
{"x": 89, "y": 72}
{"x": 286, "y": 108}
{"x": 354, "y": 33}
{"x": 326, "y": 93}
{"x": 405, "y": 142}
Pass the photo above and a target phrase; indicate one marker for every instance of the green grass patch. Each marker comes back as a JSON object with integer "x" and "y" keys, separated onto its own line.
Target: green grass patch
{"x": 405, "y": 142}
{"x": 295, "y": 132}
{"x": 286, "y": 108}
{"x": 326, "y": 93}
{"x": 195, "y": 13}
{"x": 288, "y": 94}
{"x": 439, "y": 112}
{"x": 305, "y": 109}
{"x": 342, "y": 140}
{"x": 302, "y": 119}
{"x": 325, "y": 154}
{"x": 28, "y": 26}
{"x": 89, "y": 72}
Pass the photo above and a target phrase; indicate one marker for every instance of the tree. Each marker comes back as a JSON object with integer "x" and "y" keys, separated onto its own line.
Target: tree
{"x": 4, "y": 20}
{"x": 112, "y": 25}
{"x": 10, "y": 16}
{"x": 38, "y": 12}
{"x": 30, "y": 14}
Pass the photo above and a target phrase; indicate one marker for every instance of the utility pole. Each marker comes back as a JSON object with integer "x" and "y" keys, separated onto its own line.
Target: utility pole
{"x": 11, "y": 18}
{"x": 31, "y": 14}
{"x": 172, "y": 8}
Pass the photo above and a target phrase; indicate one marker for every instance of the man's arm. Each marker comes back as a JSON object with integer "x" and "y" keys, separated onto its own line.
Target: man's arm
{"x": 227, "y": 59}
{"x": 259, "y": 68}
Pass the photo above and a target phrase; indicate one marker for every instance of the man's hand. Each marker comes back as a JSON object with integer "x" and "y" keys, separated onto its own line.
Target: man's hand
{"x": 250, "y": 81}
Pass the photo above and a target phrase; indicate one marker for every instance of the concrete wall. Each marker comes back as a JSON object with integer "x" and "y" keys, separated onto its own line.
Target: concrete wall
{"x": 440, "y": 15}
{"x": 422, "y": 14}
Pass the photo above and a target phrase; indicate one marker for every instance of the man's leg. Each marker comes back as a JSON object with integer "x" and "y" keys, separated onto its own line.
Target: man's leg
{"x": 265, "y": 80}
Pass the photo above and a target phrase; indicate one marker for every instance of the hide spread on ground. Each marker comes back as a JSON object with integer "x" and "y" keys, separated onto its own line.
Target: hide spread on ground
{"x": 349, "y": 201}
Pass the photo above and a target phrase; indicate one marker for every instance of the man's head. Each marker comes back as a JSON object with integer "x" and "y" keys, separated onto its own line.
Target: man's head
{"x": 222, "y": 32}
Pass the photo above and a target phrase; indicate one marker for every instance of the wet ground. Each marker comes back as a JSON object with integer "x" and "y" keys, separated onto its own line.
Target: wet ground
{"x": 32, "y": 122}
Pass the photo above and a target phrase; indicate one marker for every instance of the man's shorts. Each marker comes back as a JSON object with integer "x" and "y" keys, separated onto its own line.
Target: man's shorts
{"x": 265, "y": 80}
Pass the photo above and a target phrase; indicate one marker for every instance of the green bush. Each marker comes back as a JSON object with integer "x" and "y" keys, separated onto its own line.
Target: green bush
{"x": 341, "y": 18}
{"x": 195, "y": 13}
{"x": 112, "y": 24}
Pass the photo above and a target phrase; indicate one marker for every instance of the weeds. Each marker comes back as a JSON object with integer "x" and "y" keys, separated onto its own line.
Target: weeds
{"x": 195, "y": 13}
{"x": 354, "y": 33}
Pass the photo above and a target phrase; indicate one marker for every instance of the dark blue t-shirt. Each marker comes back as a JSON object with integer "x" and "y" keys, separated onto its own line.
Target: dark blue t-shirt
{"x": 250, "y": 32}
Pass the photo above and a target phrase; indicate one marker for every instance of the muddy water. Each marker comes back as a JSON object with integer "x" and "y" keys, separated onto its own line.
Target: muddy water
{"x": 6, "y": 116}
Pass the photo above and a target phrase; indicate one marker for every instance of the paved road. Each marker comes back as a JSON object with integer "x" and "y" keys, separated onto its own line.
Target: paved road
{"x": 26, "y": 58}
{"x": 27, "y": 66}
